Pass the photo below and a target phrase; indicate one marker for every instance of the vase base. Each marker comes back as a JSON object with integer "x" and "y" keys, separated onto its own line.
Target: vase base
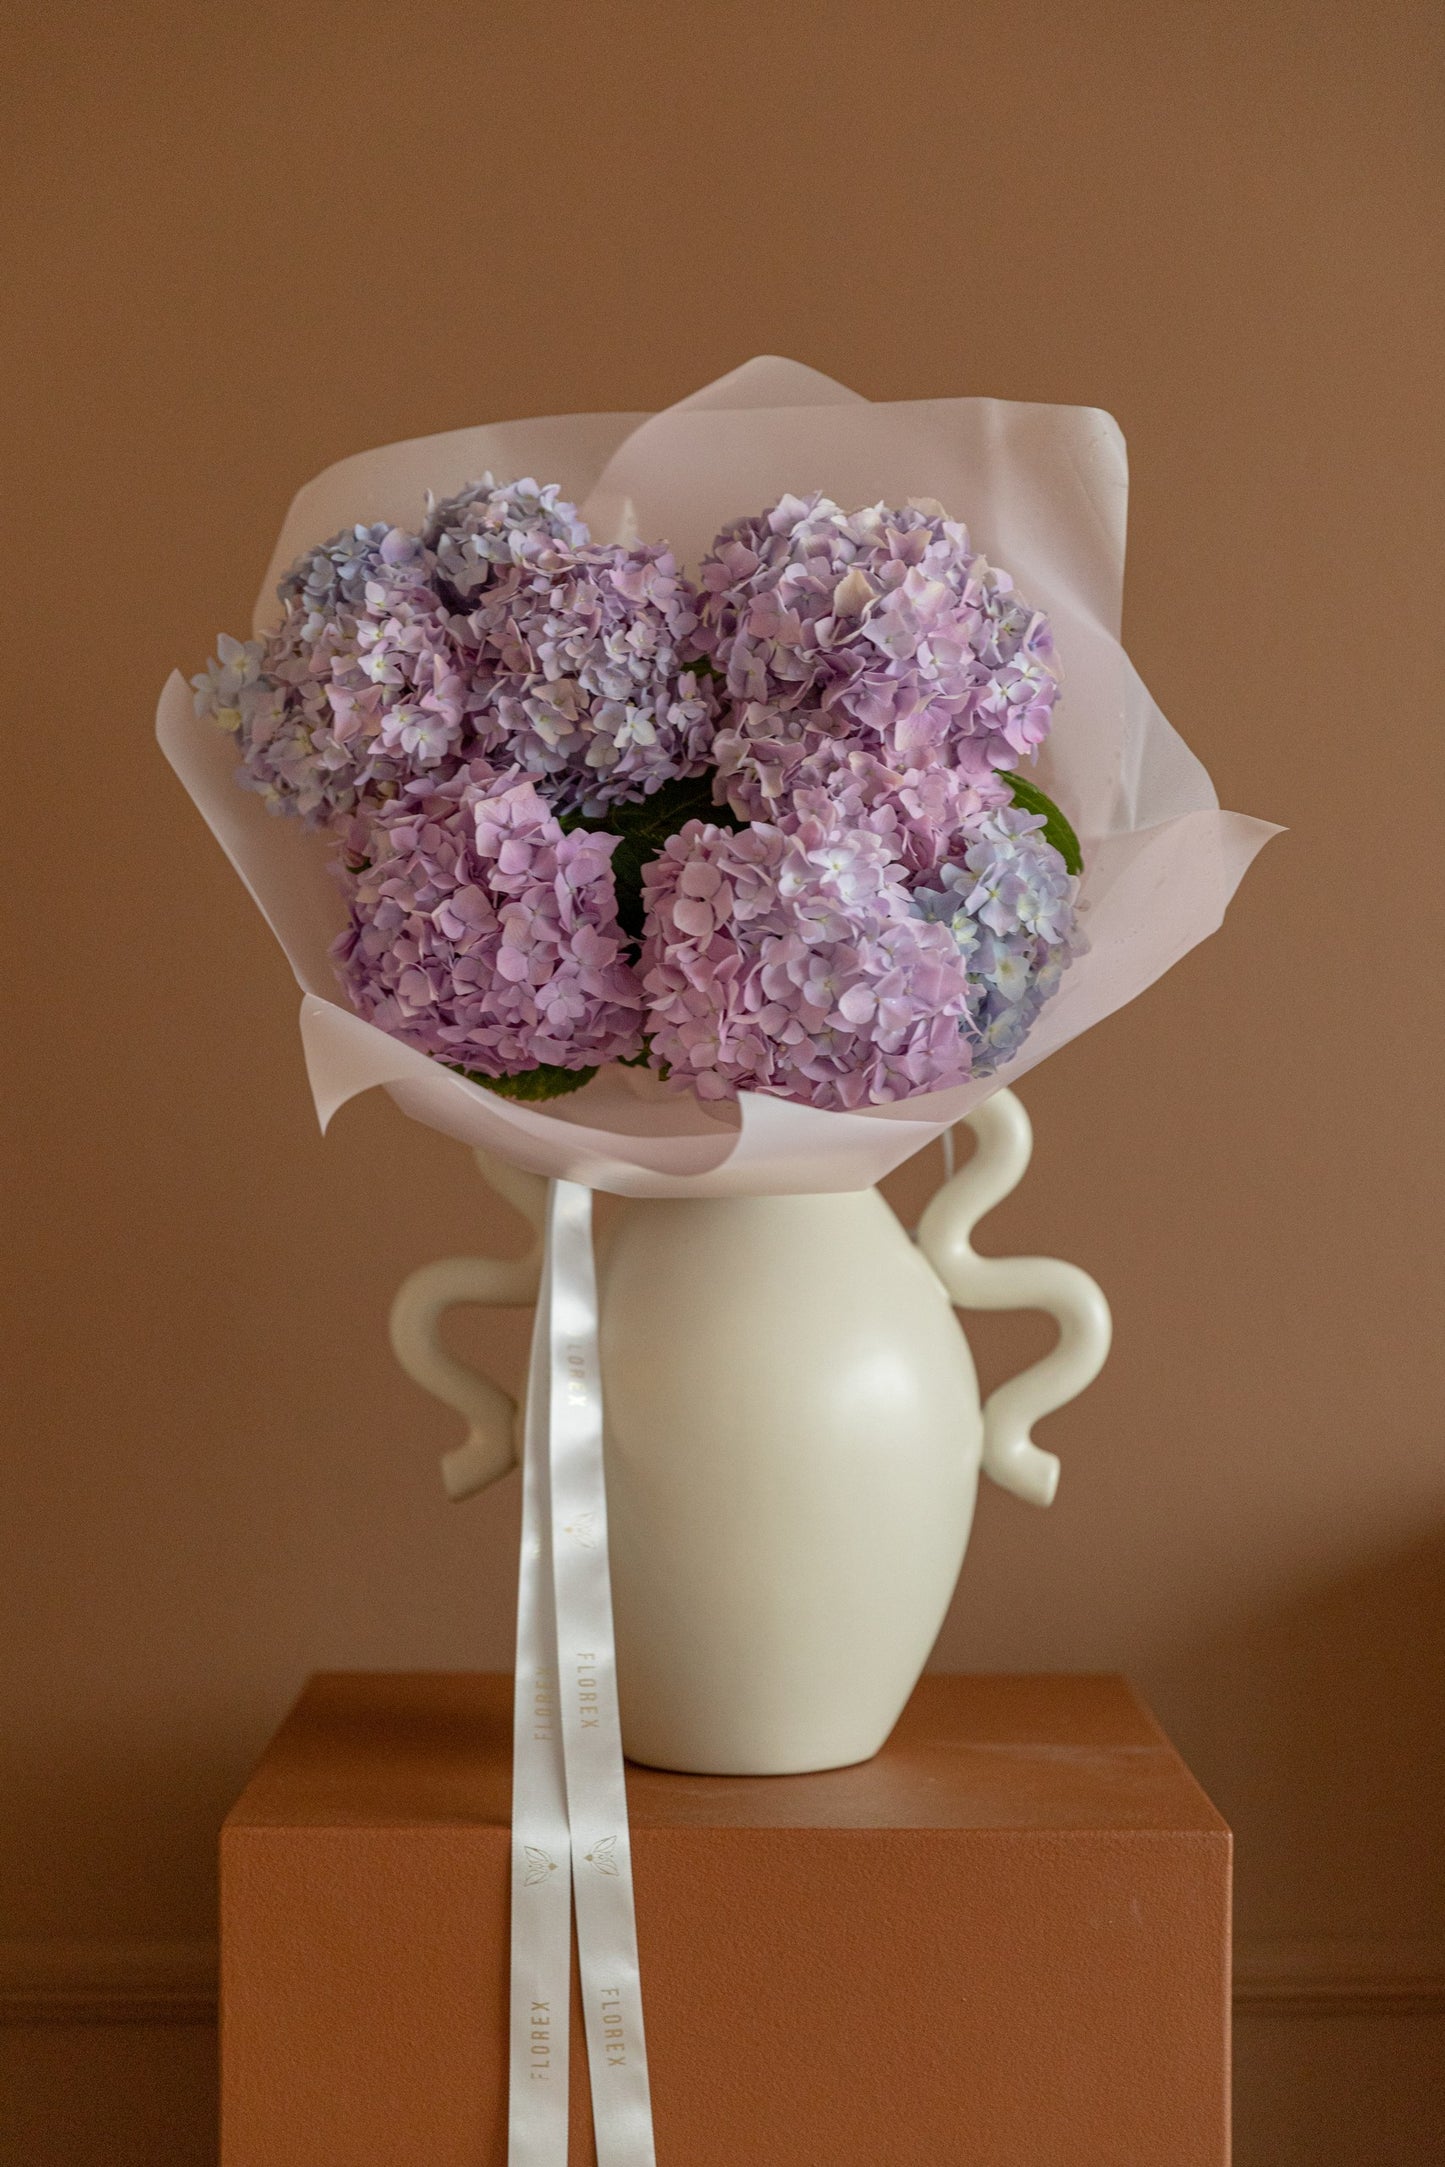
{"x": 813, "y": 1762}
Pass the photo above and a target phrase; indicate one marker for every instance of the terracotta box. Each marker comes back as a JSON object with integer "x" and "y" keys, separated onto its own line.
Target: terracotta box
{"x": 1005, "y": 1941}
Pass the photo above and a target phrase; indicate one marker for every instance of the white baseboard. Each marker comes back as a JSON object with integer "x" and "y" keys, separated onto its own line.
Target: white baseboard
{"x": 174, "y": 1982}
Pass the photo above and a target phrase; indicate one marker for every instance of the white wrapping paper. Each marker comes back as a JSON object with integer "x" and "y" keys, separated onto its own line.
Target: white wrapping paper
{"x": 1043, "y": 490}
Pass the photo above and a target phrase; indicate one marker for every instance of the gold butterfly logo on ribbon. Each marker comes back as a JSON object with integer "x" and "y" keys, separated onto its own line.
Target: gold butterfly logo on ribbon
{"x": 582, "y": 1531}
{"x": 603, "y": 1855}
{"x": 538, "y": 1866}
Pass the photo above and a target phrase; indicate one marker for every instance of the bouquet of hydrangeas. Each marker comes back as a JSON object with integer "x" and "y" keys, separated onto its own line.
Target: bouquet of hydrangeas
{"x": 747, "y": 856}
{"x": 766, "y": 831}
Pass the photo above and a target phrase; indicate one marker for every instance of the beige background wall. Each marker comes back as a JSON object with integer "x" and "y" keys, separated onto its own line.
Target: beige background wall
{"x": 246, "y": 241}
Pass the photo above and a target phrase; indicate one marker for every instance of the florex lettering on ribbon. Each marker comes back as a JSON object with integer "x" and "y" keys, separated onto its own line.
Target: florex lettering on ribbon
{"x": 612, "y": 2026}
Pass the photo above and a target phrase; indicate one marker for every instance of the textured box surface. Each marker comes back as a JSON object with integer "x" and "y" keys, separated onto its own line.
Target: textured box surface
{"x": 1005, "y": 1941}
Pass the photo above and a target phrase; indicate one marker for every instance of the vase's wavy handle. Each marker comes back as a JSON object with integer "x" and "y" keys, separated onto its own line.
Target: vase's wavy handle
{"x": 1004, "y": 1141}
{"x": 421, "y": 1302}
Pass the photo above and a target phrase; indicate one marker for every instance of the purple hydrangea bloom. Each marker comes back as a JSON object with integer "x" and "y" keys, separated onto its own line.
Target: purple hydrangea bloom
{"x": 593, "y": 694}
{"x": 370, "y": 681}
{"x": 925, "y": 815}
{"x": 234, "y": 692}
{"x": 335, "y": 574}
{"x": 1010, "y": 907}
{"x": 481, "y": 933}
{"x": 880, "y": 631}
{"x": 786, "y": 958}
{"x": 361, "y": 686}
{"x": 487, "y": 528}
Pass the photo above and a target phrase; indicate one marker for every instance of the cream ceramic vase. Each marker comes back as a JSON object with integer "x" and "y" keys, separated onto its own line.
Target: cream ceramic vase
{"x": 793, "y": 1444}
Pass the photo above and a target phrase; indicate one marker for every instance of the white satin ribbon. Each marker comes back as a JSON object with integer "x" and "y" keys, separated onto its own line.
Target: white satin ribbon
{"x": 570, "y": 1840}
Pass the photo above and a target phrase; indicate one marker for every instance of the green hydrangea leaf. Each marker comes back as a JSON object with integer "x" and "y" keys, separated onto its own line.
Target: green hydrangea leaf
{"x": 643, "y": 828}
{"x": 1057, "y": 830}
{"x": 542, "y": 1082}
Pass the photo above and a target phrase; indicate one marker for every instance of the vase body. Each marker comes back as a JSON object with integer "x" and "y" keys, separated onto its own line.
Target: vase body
{"x": 792, "y": 1450}
{"x": 793, "y": 1441}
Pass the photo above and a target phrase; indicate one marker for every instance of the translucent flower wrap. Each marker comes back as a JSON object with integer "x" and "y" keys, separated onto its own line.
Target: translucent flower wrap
{"x": 1042, "y": 489}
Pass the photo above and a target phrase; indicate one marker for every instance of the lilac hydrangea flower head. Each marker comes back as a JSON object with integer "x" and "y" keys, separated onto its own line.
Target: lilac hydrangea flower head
{"x": 881, "y": 629}
{"x": 360, "y": 687}
{"x": 481, "y": 933}
{"x": 1010, "y": 905}
{"x": 786, "y": 958}
{"x": 487, "y": 528}
{"x": 233, "y": 691}
{"x": 594, "y": 693}
{"x": 336, "y": 574}
{"x": 924, "y": 815}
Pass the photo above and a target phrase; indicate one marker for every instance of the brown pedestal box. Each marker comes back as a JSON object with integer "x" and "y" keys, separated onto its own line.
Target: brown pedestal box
{"x": 1002, "y": 1943}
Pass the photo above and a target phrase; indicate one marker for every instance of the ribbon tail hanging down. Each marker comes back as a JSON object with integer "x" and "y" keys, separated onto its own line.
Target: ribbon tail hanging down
{"x": 569, "y": 1788}
{"x": 541, "y": 1976}
{"x": 591, "y": 1718}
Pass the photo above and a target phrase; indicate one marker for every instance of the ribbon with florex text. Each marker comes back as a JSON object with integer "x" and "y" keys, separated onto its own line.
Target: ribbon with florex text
{"x": 570, "y": 1839}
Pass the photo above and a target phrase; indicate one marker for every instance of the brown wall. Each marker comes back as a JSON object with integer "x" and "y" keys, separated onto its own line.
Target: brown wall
{"x": 246, "y": 241}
